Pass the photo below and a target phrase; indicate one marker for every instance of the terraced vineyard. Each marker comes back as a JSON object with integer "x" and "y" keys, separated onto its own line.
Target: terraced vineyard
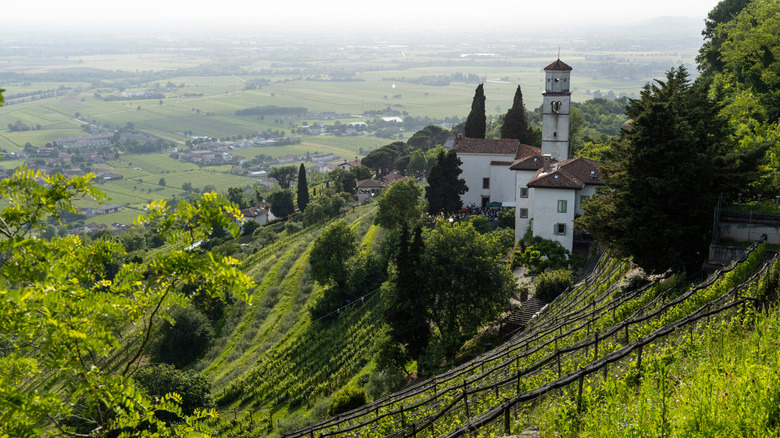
{"x": 596, "y": 329}
{"x": 270, "y": 356}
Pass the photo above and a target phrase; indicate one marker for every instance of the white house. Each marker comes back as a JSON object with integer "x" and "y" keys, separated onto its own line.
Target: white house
{"x": 369, "y": 188}
{"x": 486, "y": 168}
{"x": 259, "y": 213}
{"x": 556, "y": 194}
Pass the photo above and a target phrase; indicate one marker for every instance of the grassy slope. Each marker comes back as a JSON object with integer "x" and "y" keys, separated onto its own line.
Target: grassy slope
{"x": 276, "y": 331}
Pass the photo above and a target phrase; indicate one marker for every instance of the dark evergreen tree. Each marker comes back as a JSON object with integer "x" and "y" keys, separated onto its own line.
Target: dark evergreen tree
{"x": 444, "y": 187}
{"x": 406, "y": 312}
{"x": 476, "y": 122}
{"x": 664, "y": 175}
{"x": 516, "y": 121}
{"x": 303, "y": 189}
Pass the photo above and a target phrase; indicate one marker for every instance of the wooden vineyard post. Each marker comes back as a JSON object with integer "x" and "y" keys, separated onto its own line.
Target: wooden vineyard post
{"x": 506, "y": 420}
{"x": 579, "y": 393}
{"x": 518, "y": 382}
{"x": 558, "y": 359}
{"x": 639, "y": 359}
{"x": 596, "y": 347}
{"x": 466, "y": 400}
{"x": 626, "y": 333}
{"x": 403, "y": 419}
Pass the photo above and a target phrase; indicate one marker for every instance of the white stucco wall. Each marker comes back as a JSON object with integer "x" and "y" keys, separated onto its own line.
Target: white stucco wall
{"x": 476, "y": 167}
{"x": 502, "y": 183}
{"x": 521, "y": 181}
{"x": 545, "y": 207}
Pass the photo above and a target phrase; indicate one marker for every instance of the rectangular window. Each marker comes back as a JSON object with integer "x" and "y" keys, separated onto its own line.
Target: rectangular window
{"x": 523, "y": 213}
{"x": 485, "y": 183}
{"x": 562, "y": 206}
{"x": 560, "y": 229}
{"x": 523, "y": 192}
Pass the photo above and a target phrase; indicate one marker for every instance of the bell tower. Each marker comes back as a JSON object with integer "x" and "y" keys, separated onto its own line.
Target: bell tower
{"x": 555, "y": 110}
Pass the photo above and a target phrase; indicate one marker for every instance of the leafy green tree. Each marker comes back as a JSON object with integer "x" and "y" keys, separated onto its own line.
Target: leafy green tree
{"x": 400, "y": 206}
{"x": 343, "y": 181}
{"x": 476, "y": 122}
{"x": 709, "y": 58}
{"x": 664, "y": 175}
{"x": 249, "y": 228}
{"x": 444, "y": 187}
{"x": 361, "y": 172}
{"x": 282, "y": 203}
{"x": 159, "y": 380}
{"x": 303, "y": 189}
{"x": 428, "y": 137}
{"x": 465, "y": 282}
{"x": 383, "y": 160}
{"x": 162, "y": 182}
{"x": 516, "y": 121}
{"x": 236, "y": 195}
{"x": 330, "y": 253}
{"x": 284, "y": 175}
{"x": 324, "y": 207}
{"x": 417, "y": 164}
{"x": 61, "y": 343}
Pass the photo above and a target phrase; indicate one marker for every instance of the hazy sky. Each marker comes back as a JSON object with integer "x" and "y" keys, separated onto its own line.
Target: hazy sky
{"x": 339, "y": 14}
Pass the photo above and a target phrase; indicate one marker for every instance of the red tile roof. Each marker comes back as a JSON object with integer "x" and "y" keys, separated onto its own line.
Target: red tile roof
{"x": 571, "y": 174}
{"x": 393, "y": 176}
{"x": 371, "y": 184}
{"x": 486, "y": 146}
{"x": 531, "y": 162}
{"x": 498, "y": 146}
{"x": 558, "y": 65}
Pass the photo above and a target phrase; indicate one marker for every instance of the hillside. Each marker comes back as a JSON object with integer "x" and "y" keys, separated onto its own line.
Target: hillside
{"x": 604, "y": 336}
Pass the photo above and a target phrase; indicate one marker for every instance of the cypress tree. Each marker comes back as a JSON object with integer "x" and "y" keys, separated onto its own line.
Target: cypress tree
{"x": 407, "y": 313}
{"x": 516, "y": 121}
{"x": 444, "y": 186}
{"x": 303, "y": 189}
{"x": 476, "y": 122}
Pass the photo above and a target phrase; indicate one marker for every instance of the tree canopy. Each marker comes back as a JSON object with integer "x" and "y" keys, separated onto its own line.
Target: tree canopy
{"x": 282, "y": 203}
{"x": 516, "y": 121}
{"x": 303, "y": 189}
{"x": 464, "y": 280}
{"x": 284, "y": 175}
{"x": 62, "y": 310}
{"x": 476, "y": 122}
{"x": 444, "y": 187}
{"x": 400, "y": 206}
{"x": 330, "y": 253}
{"x": 664, "y": 176}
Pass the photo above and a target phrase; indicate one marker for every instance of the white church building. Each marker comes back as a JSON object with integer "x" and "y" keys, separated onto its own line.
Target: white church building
{"x": 548, "y": 186}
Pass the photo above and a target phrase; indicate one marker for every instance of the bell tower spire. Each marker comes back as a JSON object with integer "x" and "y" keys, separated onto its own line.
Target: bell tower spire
{"x": 555, "y": 110}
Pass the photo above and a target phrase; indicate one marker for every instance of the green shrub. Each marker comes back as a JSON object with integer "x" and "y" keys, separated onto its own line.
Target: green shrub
{"x": 158, "y": 380}
{"x": 346, "y": 400}
{"x": 182, "y": 343}
{"x": 550, "y": 284}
